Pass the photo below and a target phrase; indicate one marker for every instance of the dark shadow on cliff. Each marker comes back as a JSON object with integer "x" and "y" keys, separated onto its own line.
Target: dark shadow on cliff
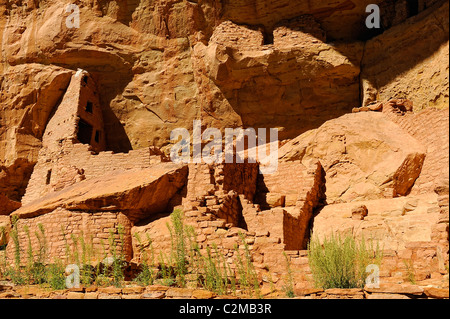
{"x": 430, "y": 28}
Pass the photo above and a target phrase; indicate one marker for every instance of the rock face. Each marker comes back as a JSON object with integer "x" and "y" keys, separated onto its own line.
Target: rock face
{"x": 86, "y": 114}
{"x": 299, "y": 73}
{"x": 5, "y": 228}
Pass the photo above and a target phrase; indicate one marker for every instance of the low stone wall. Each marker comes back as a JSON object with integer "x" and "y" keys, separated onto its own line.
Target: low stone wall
{"x": 163, "y": 292}
{"x": 61, "y": 226}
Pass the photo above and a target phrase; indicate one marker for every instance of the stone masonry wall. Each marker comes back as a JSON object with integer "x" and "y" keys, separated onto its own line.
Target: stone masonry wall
{"x": 61, "y": 224}
{"x": 227, "y": 220}
{"x": 63, "y": 160}
{"x": 296, "y": 188}
{"x": 281, "y": 189}
{"x": 440, "y": 231}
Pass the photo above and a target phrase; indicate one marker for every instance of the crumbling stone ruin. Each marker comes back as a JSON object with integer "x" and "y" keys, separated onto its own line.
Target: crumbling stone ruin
{"x": 85, "y": 190}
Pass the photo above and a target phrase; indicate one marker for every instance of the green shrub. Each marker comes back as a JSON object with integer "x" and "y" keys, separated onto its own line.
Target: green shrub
{"x": 341, "y": 262}
{"x": 179, "y": 242}
{"x": 410, "y": 275}
{"x": 119, "y": 262}
{"x": 248, "y": 278}
{"x": 215, "y": 272}
{"x": 56, "y": 277}
{"x": 289, "y": 281}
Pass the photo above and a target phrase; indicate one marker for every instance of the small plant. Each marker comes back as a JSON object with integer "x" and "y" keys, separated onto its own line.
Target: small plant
{"x": 289, "y": 281}
{"x": 75, "y": 252}
{"x": 248, "y": 277}
{"x": 66, "y": 245}
{"x": 42, "y": 240}
{"x": 341, "y": 262}
{"x": 118, "y": 258}
{"x": 178, "y": 241}
{"x": 30, "y": 257}
{"x": 56, "y": 275}
{"x": 410, "y": 275}
{"x": 147, "y": 275}
{"x": 15, "y": 237}
{"x": 15, "y": 273}
{"x": 35, "y": 272}
{"x": 167, "y": 272}
{"x": 86, "y": 270}
{"x": 215, "y": 274}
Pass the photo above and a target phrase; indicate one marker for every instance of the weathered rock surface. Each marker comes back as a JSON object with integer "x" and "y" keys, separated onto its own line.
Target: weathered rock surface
{"x": 152, "y": 77}
{"x": 363, "y": 155}
{"x": 431, "y": 128}
{"x": 340, "y": 19}
{"x": 29, "y": 94}
{"x": 8, "y": 205}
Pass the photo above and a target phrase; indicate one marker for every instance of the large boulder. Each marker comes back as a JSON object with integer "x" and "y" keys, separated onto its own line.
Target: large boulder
{"x": 7, "y": 205}
{"x": 364, "y": 155}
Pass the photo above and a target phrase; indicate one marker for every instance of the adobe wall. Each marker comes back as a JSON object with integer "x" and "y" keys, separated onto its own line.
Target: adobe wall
{"x": 89, "y": 111}
{"x": 298, "y": 189}
{"x": 280, "y": 189}
{"x": 218, "y": 180}
{"x": 219, "y": 218}
{"x": 64, "y": 160}
{"x": 59, "y": 227}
